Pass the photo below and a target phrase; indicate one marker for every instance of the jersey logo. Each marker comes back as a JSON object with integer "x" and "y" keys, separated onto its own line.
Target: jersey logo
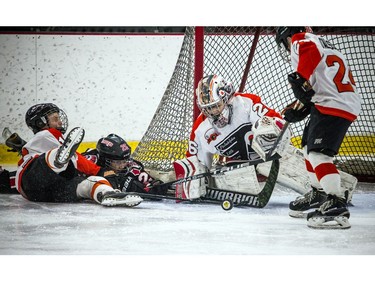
{"x": 317, "y": 141}
{"x": 92, "y": 158}
{"x": 237, "y": 145}
{"x": 211, "y": 136}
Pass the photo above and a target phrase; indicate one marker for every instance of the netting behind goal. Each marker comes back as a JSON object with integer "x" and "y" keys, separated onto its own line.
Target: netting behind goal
{"x": 248, "y": 57}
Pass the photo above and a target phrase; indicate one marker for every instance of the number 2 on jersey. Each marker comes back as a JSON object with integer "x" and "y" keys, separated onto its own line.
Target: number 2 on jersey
{"x": 339, "y": 77}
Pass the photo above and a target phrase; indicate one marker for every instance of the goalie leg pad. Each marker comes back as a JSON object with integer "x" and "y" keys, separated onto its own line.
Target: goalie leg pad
{"x": 348, "y": 183}
{"x": 292, "y": 172}
{"x": 188, "y": 167}
{"x": 239, "y": 180}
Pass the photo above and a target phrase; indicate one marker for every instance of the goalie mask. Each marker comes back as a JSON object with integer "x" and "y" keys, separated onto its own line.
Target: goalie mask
{"x": 284, "y": 38}
{"x": 37, "y": 117}
{"x": 213, "y": 94}
{"x": 114, "y": 153}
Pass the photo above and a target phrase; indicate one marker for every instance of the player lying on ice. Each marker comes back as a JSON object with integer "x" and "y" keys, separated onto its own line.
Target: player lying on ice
{"x": 324, "y": 84}
{"x": 50, "y": 167}
{"x": 112, "y": 153}
{"x": 237, "y": 127}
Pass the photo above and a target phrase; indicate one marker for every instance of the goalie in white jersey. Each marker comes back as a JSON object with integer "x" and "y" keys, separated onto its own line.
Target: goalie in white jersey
{"x": 323, "y": 82}
{"x": 227, "y": 126}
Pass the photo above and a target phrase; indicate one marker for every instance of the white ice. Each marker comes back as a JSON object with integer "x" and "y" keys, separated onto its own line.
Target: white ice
{"x": 181, "y": 241}
{"x": 169, "y": 228}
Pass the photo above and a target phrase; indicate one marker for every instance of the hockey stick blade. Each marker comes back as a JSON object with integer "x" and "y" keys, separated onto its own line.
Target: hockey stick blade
{"x": 218, "y": 196}
{"x": 259, "y": 200}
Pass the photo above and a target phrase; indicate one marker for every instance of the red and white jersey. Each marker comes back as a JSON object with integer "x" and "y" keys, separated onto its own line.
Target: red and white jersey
{"x": 329, "y": 74}
{"x": 43, "y": 142}
{"x": 234, "y": 139}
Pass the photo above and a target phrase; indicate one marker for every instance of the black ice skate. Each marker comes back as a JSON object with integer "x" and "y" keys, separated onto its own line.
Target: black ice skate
{"x": 311, "y": 200}
{"x": 332, "y": 214}
{"x": 69, "y": 147}
{"x": 117, "y": 198}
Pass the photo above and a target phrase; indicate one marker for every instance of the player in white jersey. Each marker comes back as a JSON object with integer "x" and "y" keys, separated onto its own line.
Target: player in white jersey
{"x": 323, "y": 82}
{"x": 48, "y": 169}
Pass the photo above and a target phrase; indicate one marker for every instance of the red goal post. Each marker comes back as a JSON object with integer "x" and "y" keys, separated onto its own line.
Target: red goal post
{"x": 248, "y": 57}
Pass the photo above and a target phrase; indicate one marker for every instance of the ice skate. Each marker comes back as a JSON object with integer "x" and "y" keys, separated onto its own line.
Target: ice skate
{"x": 332, "y": 214}
{"x": 114, "y": 198}
{"x": 69, "y": 147}
{"x": 312, "y": 199}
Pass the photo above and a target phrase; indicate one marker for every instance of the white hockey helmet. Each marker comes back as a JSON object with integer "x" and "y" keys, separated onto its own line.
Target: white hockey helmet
{"x": 213, "y": 95}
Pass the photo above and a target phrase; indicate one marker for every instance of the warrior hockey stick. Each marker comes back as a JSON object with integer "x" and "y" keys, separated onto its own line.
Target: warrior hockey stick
{"x": 277, "y": 141}
{"x": 219, "y": 171}
{"x": 259, "y": 200}
{"x": 223, "y": 197}
{"x": 297, "y": 105}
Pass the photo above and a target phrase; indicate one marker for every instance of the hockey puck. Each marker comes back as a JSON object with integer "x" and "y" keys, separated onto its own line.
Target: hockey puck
{"x": 227, "y": 205}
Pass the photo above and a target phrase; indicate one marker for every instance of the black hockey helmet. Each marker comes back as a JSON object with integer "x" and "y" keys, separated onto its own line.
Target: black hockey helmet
{"x": 282, "y": 35}
{"x": 112, "y": 148}
{"x": 37, "y": 117}
{"x": 283, "y": 32}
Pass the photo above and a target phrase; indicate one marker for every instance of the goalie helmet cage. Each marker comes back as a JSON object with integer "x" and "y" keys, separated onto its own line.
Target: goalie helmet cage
{"x": 249, "y": 58}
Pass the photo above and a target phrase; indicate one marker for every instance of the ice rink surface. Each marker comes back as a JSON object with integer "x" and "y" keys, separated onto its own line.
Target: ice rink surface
{"x": 169, "y": 228}
{"x": 181, "y": 241}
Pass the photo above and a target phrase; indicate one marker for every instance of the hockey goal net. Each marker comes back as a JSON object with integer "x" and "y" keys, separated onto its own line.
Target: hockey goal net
{"x": 248, "y": 57}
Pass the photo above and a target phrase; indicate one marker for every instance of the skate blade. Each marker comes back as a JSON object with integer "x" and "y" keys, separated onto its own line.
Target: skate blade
{"x": 75, "y": 140}
{"x": 127, "y": 201}
{"x": 339, "y": 222}
{"x": 298, "y": 214}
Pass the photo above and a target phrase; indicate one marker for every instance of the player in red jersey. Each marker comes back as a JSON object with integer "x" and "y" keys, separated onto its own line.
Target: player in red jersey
{"x": 324, "y": 83}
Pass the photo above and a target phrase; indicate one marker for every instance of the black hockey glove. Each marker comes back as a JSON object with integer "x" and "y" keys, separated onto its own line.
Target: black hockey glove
{"x": 130, "y": 184}
{"x": 155, "y": 188}
{"x": 301, "y": 87}
{"x": 296, "y": 115}
{"x": 15, "y": 142}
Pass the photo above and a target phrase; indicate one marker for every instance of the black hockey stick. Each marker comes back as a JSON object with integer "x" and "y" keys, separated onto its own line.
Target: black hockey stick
{"x": 297, "y": 105}
{"x": 220, "y": 171}
{"x": 278, "y": 139}
{"x": 226, "y": 198}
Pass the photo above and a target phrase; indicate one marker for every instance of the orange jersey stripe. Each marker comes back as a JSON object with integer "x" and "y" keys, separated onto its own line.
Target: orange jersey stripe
{"x": 95, "y": 186}
{"x": 336, "y": 112}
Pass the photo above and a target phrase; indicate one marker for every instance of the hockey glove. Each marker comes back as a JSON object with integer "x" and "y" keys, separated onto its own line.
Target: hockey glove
{"x": 130, "y": 184}
{"x": 15, "y": 142}
{"x": 154, "y": 187}
{"x": 293, "y": 115}
{"x": 301, "y": 87}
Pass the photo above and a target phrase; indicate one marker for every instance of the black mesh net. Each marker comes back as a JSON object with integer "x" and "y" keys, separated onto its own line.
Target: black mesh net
{"x": 226, "y": 53}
